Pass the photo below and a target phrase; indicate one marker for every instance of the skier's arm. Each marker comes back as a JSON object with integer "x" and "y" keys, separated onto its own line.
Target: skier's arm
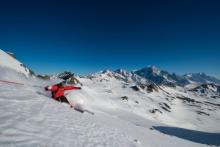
{"x": 71, "y": 87}
{"x": 50, "y": 88}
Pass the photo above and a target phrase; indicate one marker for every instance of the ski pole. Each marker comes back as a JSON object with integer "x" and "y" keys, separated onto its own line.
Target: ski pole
{"x": 10, "y": 82}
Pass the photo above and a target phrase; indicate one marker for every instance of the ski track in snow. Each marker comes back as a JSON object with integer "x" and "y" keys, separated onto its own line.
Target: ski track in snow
{"x": 24, "y": 123}
{"x": 29, "y": 117}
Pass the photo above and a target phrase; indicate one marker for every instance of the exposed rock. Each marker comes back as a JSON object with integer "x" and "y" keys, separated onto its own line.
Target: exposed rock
{"x": 201, "y": 112}
{"x": 155, "y": 110}
{"x": 135, "y": 88}
{"x": 186, "y": 99}
{"x": 142, "y": 86}
{"x": 66, "y": 75}
{"x": 152, "y": 87}
{"x": 136, "y": 102}
{"x": 11, "y": 54}
{"x": 124, "y": 98}
{"x": 215, "y": 104}
{"x": 43, "y": 77}
{"x": 165, "y": 109}
{"x": 165, "y": 106}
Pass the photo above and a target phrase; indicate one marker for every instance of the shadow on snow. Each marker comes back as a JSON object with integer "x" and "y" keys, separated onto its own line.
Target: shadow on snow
{"x": 192, "y": 135}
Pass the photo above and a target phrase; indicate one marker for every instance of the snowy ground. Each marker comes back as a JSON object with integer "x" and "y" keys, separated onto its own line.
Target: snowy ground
{"x": 28, "y": 117}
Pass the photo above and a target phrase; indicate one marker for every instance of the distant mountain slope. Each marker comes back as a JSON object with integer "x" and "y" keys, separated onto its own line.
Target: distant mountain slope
{"x": 202, "y": 78}
{"x": 163, "y": 77}
{"x": 207, "y": 90}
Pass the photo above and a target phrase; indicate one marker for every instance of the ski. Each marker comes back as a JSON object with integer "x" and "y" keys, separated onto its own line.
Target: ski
{"x": 11, "y": 82}
{"x": 88, "y": 111}
{"x": 79, "y": 110}
{"x": 83, "y": 110}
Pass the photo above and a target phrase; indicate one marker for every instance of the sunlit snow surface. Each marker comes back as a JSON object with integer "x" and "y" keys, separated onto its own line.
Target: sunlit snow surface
{"x": 169, "y": 117}
{"x": 29, "y": 117}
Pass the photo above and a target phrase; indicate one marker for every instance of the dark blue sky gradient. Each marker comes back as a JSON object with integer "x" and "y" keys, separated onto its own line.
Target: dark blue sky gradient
{"x": 88, "y": 36}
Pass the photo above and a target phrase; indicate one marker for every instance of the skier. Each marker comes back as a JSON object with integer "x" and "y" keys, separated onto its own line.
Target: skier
{"x": 58, "y": 90}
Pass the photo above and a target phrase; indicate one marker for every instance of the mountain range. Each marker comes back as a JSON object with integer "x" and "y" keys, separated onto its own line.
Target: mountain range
{"x": 132, "y": 108}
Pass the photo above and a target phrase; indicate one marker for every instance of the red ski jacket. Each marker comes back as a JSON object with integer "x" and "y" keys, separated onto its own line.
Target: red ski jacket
{"x": 59, "y": 91}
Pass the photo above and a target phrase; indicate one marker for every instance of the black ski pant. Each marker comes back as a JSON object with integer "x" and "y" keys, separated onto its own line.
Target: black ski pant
{"x": 63, "y": 99}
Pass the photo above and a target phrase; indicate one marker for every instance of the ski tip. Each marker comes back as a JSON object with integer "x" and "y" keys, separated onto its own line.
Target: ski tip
{"x": 92, "y": 113}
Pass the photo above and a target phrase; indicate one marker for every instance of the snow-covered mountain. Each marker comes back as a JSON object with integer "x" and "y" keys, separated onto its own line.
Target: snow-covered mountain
{"x": 201, "y": 78}
{"x": 9, "y": 61}
{"x": 163, "y": 77}
{"x": 149, "y": 84}
{"x": 130, "y": 111}
{"x": 207, "y": 90}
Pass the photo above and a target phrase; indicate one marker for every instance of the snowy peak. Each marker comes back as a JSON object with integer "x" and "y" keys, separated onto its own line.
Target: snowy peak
{"x": 123, "y": 73}
{"x": 129, "y": 77}
{"x": 120, "y": 75}
{"x": 156, "y": 75}
{"x": 154, "y": 69}
{"x": 107, "y": 72}
{"x": 163, "y": 77}
{"x": 104, "y": 75}
{"x": 149, "y": 70}
{"x": 152, "y": 74}
{"x": 209, "y": 89}
{"x": 9, "y": 61}
{"x": 201, "y": 78}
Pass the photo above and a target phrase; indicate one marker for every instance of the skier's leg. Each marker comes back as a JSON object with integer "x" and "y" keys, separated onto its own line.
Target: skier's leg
{"x": 63, "y": 99}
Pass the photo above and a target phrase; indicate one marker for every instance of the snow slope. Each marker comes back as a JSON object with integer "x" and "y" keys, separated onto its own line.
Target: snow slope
{"x": 8, "y": 61}
{"x": 30, "y": 118}
{"x": 171, "y": 106}
{"x": 124, "y": 116}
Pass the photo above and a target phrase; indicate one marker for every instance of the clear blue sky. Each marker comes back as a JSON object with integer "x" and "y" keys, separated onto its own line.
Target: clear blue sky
{"x": 88, "y": 36}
